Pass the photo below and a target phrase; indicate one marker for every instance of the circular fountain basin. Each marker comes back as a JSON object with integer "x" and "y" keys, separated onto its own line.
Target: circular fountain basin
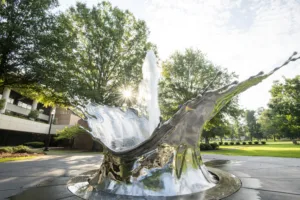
{"x": 227, "y": 184}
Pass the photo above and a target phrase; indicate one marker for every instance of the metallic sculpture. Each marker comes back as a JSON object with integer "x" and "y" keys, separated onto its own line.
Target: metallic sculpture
{"x": 168, "y": 162}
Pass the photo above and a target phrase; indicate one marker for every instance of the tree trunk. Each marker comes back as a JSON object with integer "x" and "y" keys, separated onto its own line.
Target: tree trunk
{"x": 72, "y": 143}
{"x": 221, "y": 139}
{"x": 206, "y": 140}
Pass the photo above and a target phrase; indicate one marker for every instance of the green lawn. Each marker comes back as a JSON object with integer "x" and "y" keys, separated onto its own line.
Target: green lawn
{"x": 70, "y": 152}
{"x": 15, "y": 158}
{"x": 272, "y": 149}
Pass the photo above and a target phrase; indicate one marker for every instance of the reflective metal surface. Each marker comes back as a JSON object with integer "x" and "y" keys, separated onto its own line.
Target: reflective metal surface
{"x": 168, "y": 163}
{"x": 167, "y": 171}
{"x": 227, "y": 185}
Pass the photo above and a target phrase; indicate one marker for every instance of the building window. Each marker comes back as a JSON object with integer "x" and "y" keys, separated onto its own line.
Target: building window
{"x": 24, "y": 105}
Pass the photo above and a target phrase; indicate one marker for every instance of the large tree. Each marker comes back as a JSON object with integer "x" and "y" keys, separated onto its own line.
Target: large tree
{"x": 252, "y": 124}
{"x": 269, "y": 123}
{"x": 106, "y": 54}
{"x": 188, "y": 74}
{"x": 285, "y": 105}
{"x": 26, "y": 29}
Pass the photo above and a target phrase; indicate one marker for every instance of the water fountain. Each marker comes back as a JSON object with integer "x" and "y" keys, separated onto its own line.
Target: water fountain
{"x": 147, "y": 159}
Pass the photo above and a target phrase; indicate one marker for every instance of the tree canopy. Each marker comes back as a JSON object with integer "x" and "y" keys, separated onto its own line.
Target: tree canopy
{"x": 106, "y": 53}
{"x": 187, "y": 74}
{"x": 25, "y": 29}
{"x": 285, "y": 107}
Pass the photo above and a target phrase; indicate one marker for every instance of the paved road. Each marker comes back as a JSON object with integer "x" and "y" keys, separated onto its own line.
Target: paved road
{"x": 262, "y": 177}
{"x": 21, "y": 175}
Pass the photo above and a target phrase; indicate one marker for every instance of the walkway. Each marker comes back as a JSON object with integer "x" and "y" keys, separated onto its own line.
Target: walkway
{"x": 262, "y": 177}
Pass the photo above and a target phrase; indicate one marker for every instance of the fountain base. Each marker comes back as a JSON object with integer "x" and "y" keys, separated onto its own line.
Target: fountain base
{"x": 227, "y": 184}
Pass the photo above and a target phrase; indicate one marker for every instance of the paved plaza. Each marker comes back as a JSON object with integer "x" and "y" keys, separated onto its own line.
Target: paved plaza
{"x": 46, "y": 177}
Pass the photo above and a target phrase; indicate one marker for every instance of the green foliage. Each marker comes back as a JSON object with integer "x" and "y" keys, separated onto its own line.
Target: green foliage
{"x": 250, "y": 142}
{"x": 220, "y": 143}
{"x": 237, "y": 143}
{"x": 263, "y": 142}
{"x": 244, "y": 143}
{"x": 22, "y": 149}
{"x": 186, "y": 75}
{"x": 35, "y": 144}
{"x": 253, "y": 126}
{"x": 226, "y": 143}
{"x": 105, "y": 54}
{"x": 2, "y": 103}
{"x": 214, "y": 146}
{"x": 69, "y": 132}
{"x": 269, "y": 123}
{"x": 17, "y": 149}
{"x": 204, "y": 147}
{"x": 272, "y": 149}
{"x": 34, "y": 114}
{"x": 231, "y": 143}
{"x": 256, "y": 142}
{"x": 285, "y": 107}
{"x": 6, "y": 150}
{"x": 25, "y": 29}
{"x": 218, "y": 126}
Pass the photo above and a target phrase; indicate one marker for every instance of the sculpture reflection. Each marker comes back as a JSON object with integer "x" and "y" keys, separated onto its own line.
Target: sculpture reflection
{"x": 167, "y": 161}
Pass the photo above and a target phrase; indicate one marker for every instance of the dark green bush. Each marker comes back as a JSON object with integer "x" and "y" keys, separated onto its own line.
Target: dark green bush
{"x": 263, "y": 142}
{"x": 34, "y": 114}
{"x": 214, "y": 146}
{"x": 6, "y": 150}
{"x": 21, "y": 149}
{"x": 249, "y": 142}
{"x": 231, "y": 143}
{"x": 204, "y": 147}
{"x": 244, "y": 143}
{"x": 226, "y": 143}
{"x": 220, "y": 143}
{"x": 35, "y": 144}
{"x": 237, "y": 143}
{"x": 256, "y": 142}
{"x": 2, "y": 103}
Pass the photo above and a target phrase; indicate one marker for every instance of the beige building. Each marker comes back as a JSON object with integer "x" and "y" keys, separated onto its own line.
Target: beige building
{"x": 16, "y": 127}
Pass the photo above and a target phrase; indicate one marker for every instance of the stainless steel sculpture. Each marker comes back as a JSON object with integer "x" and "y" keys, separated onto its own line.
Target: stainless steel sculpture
{"x": 168, "y": 163}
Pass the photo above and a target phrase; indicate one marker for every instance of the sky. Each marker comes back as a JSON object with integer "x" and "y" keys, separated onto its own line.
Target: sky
{"x": 244, "y": 36}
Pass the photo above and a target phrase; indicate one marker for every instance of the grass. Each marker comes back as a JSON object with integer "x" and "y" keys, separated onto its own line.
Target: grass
{"x": 6, "y": 159}
{"x": 70, "y": 152}
{"x": 271, "y": 149}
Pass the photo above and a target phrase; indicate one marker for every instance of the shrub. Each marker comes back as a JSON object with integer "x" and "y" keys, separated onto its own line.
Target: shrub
{"x": 220, "y": 143}
{"x": 209, "y": 147}
{"x": 69, "y": 132}
{"x": 256, "y": 142}
{"x": 214, "y": 146}
{"x": 237, "y": 143}
{"x": 6, "y": 150}
{"x": 35, "y": 144}
{"x": 34, "y": 114}
{"x": 249, "y": 142}
{"x": 231, "y": 143}
{"x": 2, "y": 103}
{"x": 244, "y": 143}
{"x": 226, "y": 143}
{"x": 263, "y": 142}
{"x": 204, "y": 147}
{"x": 21, "y": 149}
